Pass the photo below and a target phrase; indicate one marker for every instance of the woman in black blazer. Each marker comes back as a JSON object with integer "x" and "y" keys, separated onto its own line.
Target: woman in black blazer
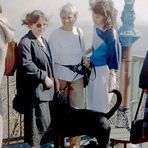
{"x": 35, "y": 80}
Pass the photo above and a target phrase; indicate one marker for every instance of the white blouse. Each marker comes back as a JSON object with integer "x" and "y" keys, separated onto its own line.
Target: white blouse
{"x": 67, "y": 49}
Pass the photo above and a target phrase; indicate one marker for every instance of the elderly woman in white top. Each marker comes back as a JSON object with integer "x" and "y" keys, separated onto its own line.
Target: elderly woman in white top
{"x": 6, "y": 33}
{"x": 67, "y": 46}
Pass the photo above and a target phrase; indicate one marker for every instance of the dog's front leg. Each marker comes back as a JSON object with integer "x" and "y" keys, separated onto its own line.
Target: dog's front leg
{"x": 59, "y": 141}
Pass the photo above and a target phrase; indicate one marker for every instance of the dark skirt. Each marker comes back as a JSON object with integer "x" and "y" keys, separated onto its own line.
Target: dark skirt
{"x": 36, "y": 121}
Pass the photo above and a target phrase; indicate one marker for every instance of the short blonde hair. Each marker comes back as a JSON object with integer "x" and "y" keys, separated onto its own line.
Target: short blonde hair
{"x": 107, "y": 9}
{"x": 68, "y": 9}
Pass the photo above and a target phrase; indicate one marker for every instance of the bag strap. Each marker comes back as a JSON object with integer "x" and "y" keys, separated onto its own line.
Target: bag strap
{"x": 80, "y": 41}
{"x": 139, "y": 104}
{"x": 75, "y": 68}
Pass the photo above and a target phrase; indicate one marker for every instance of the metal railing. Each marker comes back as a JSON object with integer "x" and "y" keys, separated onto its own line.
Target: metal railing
{"x": 13, "y": 121}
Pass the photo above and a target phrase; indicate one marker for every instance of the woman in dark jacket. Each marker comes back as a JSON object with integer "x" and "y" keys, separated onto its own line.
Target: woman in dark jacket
{"x": 35, "y": 82}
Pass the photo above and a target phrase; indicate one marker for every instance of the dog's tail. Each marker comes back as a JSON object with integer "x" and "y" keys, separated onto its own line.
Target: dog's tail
{"x": 117, "y": 104}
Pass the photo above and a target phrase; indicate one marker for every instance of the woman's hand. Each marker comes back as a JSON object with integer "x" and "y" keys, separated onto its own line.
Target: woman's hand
{"x": 86, "y": 62}
{"x": 112, "y": 80}
{"x": 88, "y": 51}
{"x": 48, "y": 82}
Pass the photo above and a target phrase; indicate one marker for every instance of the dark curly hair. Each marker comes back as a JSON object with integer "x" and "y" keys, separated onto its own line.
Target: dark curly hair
{"x": 33, "y": 17}
{"x": 107, "y": 9}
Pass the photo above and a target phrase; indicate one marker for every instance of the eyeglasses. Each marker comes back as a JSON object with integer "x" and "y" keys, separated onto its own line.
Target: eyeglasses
{"x": 41, "y": 25}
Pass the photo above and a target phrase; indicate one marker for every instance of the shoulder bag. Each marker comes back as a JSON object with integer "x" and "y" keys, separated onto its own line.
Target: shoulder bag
{"x": 137, "y": 130}
{"x": 11, "y": 59}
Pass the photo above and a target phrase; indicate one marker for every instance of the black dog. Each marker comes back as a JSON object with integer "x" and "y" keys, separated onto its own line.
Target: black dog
{"x": 67, "y": 121}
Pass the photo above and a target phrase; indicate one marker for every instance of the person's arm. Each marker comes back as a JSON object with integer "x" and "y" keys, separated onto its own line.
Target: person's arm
{"x": 26, "y": 62}
{"x": 88, "y": 51}
{"x": 112, "y": 80}
{"x": 30, "y": 68}
{"x": 3, "y": 51}
{"x": 81, "y": 41}
{"x": 52, "y": 46}
{"x": 113, "y": 51}
{"x": 7, "y": 28}
{"x": 56, "y": 79}
{"x": 113, "y": 58}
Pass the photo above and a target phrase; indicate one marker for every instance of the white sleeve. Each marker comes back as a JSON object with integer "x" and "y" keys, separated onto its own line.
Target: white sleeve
{"x": 52, "y": 45}
{"x": 81, "y": 33}
{"x": 8, "y": 30}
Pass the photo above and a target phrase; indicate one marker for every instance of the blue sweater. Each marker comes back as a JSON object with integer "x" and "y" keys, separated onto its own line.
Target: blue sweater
{"x": 109, "y": 52}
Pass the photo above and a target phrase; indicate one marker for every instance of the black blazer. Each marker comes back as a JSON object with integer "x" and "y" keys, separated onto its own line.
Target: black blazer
{"x": 34, "y": 64}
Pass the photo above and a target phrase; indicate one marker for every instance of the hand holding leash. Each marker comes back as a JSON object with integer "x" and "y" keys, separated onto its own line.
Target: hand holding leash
{"x": 112, "y": 80}
{"x": 86, "y": 62}
{"x": 48, "y": 82}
